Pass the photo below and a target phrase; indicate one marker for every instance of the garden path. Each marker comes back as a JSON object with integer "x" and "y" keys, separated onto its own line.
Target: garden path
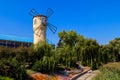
{"x": 89, "y": 75}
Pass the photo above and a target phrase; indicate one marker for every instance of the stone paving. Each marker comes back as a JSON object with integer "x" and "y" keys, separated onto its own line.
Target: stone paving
{"x": 88, "y": 76}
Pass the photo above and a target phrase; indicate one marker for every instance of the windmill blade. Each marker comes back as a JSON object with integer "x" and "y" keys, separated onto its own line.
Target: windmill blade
{"x": 49, "y": 12}
{"x": 33, "y": 12}
{"x": 52, "y": 27}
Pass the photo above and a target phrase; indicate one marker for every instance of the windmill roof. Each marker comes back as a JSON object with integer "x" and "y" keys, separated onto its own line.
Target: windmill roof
{"x": 40, "y": 15}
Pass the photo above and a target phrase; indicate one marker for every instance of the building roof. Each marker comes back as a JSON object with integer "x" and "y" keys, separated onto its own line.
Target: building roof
{"x": 19, "y": 39}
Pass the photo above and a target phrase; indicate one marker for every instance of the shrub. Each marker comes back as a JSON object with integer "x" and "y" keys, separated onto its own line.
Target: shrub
{"x": 43, "y": 49}
{"x": 4, "y": 53}
{"x": 21, "y": 54}
{"x": 12, "y": 68}
{"x": 45, "y": 65}
{"x": 45, "y": 58}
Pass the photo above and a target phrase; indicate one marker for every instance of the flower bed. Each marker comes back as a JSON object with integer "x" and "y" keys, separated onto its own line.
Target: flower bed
{"x": 39, "y": 76}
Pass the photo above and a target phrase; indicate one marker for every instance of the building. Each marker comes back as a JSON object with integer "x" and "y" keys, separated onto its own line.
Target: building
{"x": 15, "y": 41}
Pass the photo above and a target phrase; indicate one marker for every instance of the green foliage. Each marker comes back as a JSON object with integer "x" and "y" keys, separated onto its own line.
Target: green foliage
{"x": 71, "y": 48}
{"x": 21, "y": 54}
{"x": 67, "y": 58}
{"x": 77, "y": 48}
{"x": 90, "y": 56}
{"x": 12, "y": 68}
{"x": 43, "y": 49}
{"x": 45, "y": 58}
{"x": 4, "y": 53}
{"x": 116, "y": 48}
{"x": 110, "y": 52}
{"x": 88, "y": 51}
{"x": 45, "y": 65}
{"x": 5, "y": 78}
{"x": 18, "y": 70}
{"x": 67, "y": 38}
{"x": 109, "y": 72}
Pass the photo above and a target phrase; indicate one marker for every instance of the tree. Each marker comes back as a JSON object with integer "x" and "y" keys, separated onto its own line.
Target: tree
{"x": 115, "y": 44}
{"x": 67, "y": 38}
{"x": 45, "y": 58}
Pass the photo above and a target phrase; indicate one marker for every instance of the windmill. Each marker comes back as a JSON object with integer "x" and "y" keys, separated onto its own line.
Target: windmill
{"x": 40, "y": 24}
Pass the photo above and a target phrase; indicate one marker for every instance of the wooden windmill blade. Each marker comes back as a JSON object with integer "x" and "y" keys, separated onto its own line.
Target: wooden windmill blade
{"x": 49, "y": 12}
{"x": 33, "y": 12}
{"x": 52, "y": 27}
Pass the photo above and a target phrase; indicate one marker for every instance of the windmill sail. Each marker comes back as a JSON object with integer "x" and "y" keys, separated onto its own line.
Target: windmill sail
{"x": 52, "y": 27}
{"x": 49, "y": 12}
{"x": 33, "y": 12}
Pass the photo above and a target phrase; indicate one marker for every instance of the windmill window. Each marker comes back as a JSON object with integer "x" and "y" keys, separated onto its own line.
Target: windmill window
{"x": 44, "y": 21}
{"x": 35, "y": 21}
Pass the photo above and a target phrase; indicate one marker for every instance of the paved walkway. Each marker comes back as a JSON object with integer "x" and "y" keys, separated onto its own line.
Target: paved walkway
{"x": 88, "y": 76}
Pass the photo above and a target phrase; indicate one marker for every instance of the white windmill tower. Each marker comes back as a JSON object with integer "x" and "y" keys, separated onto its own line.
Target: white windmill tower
{"x": 40, "y": 24}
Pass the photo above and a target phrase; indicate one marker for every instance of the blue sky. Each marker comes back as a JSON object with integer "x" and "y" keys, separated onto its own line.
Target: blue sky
{"x": 97, "y": 19}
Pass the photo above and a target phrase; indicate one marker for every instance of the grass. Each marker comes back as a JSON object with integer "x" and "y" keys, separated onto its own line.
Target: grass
{"x": 5, "y": 78}
{"x": 110, "y": 71}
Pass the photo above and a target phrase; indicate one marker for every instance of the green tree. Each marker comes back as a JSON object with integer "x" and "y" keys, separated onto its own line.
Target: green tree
{"x": 115, "y": 44}
{"x": 67, "y": 38}
{"x": 45, "y": 58}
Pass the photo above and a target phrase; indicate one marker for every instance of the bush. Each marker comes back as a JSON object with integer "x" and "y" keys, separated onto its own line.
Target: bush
{"x": 21, "y": 54}
{"x": 4, "y": 53}
{"x": 45, "y": 58}
{"x": 45, "y": 65}
{"x": 43, "y": 49}
{"x": 12, "y": 68}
